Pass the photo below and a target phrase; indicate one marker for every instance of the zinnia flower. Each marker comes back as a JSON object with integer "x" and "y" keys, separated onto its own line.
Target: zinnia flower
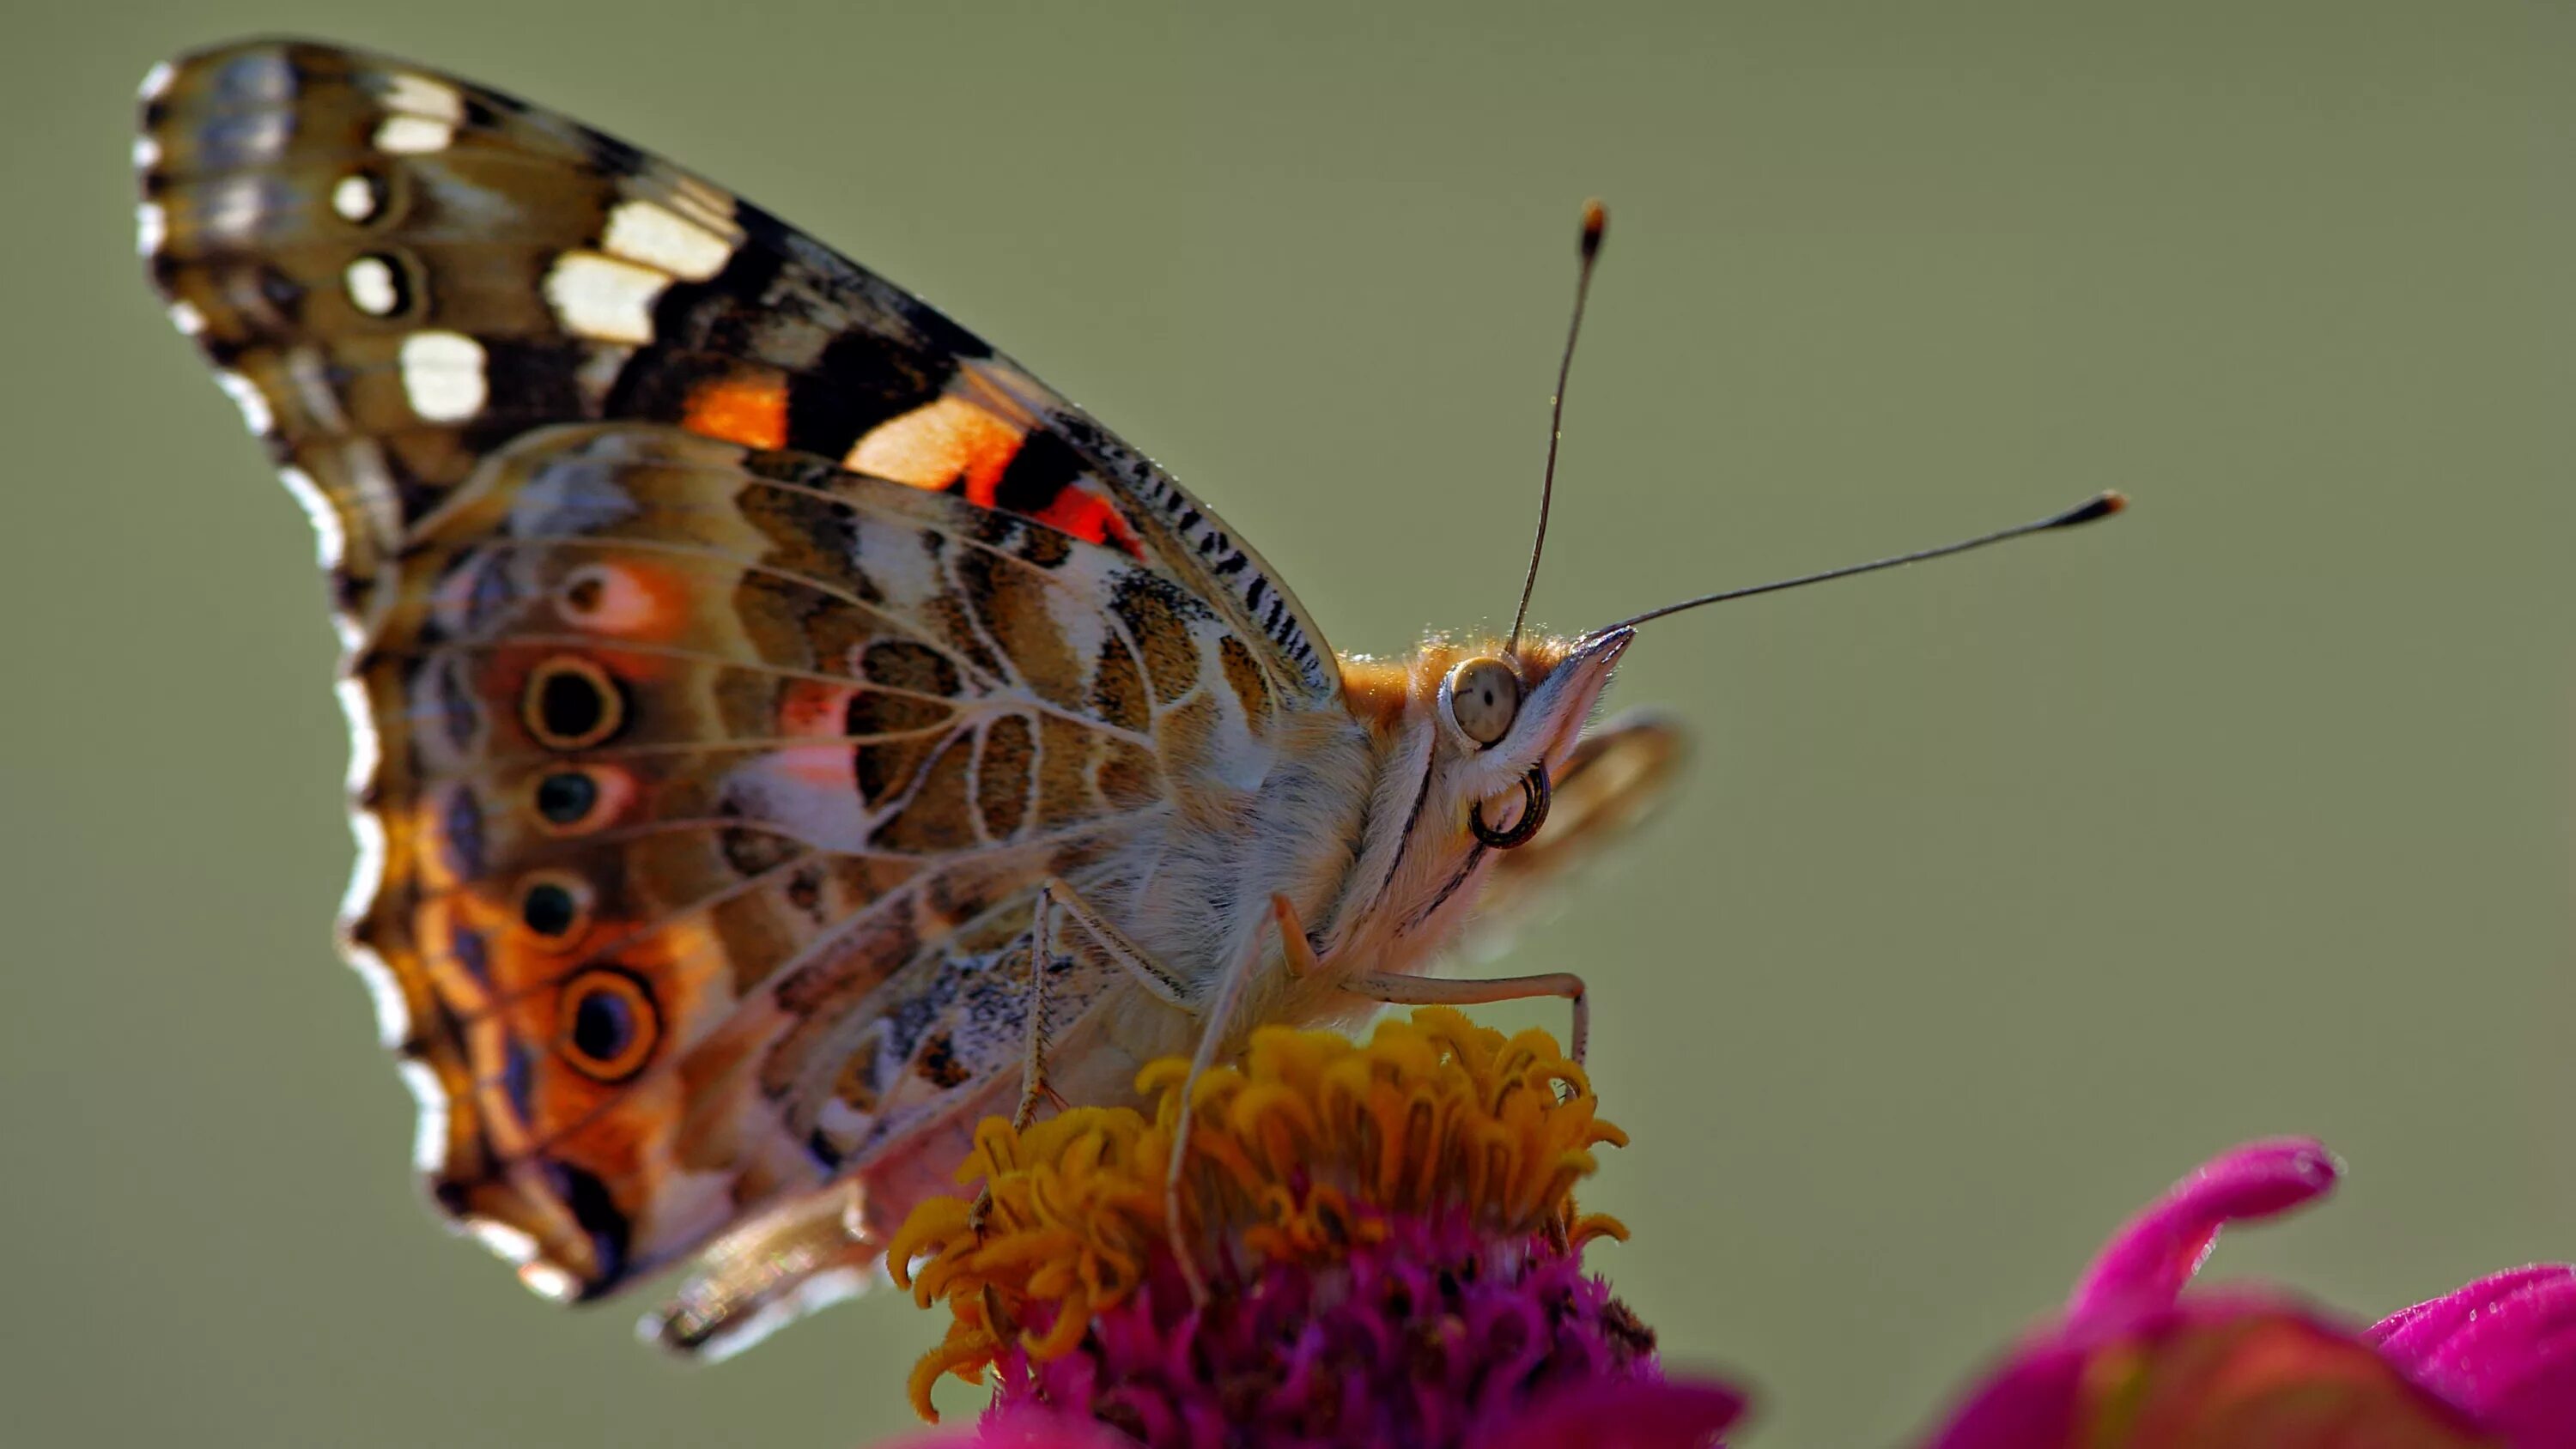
{"x": 1388, "y": 1239}
{"x": 2135, "y": 1364}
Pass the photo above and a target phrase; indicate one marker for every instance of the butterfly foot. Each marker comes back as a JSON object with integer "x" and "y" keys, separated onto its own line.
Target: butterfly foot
{"x": 1178, "y": 1240}
{"x": 1296, "y": 948}
{"x": 997, "y": 1319}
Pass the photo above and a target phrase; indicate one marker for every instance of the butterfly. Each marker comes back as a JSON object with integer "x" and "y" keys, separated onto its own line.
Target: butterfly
{"x": 785, "y": 731}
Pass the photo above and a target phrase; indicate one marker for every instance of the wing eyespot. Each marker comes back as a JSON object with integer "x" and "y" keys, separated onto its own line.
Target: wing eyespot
{"x": 570, "y": 703}
{"x": 614, "y": 599}
{"x": 579, "y": 798}
{"x": 555, "y": 906}
{"x": 582, "y": 596}
{"x": 609, "y": 1025}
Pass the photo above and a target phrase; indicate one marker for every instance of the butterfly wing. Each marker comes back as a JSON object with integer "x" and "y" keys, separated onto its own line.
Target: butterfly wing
{"x": 733, "y": 642}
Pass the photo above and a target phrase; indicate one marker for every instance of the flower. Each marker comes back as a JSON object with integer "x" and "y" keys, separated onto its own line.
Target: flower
{"x": 1388, "y": 1238}
{"x": 2134, "y": 1364}
{"x": 2503, "y": 1348}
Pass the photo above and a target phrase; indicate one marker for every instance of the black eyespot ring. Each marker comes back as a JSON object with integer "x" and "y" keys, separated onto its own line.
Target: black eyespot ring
{"x": 570, "y": 703}
{"x": 609, "y": 1025}
{"x": 1535, "y": 796}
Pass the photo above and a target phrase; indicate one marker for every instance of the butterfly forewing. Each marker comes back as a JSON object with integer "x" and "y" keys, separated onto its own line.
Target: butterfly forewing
{"x": 734, "y": 642}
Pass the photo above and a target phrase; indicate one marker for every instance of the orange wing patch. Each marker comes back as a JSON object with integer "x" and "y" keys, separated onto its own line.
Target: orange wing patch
{"x": 750, "y": 410}
{"x": 935, "y": 444}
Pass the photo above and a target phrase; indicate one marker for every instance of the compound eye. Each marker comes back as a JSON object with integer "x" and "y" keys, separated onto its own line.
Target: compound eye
{"x": 1484, "y": 696}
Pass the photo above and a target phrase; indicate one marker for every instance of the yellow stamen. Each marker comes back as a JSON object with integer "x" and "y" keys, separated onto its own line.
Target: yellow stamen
{"x": 1298, "y": 1154}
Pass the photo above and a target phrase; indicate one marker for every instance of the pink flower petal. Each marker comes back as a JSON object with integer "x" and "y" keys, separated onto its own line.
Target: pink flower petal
{"x": 1637, "y": 1414}
{"x": 2148, "y": 1260}
{"x": 2215, "y": 1373}
{"x": 2503, "y": 1348}
{"x": 2033, "y": 1400}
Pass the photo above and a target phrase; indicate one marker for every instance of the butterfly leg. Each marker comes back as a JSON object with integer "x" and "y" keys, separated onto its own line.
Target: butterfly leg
{"x": 1214, "y": 1021}
{"x": 1447, "y": 991}
{"x": 1057, "y": 899}
{"x": 1059, "y": 896}
{"x": 1294, "y": 944}
{"x": 1215, "y": 1015}
{"x": 1033, "y": 1085}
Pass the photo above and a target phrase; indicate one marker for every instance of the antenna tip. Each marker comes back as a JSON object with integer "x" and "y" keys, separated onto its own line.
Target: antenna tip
{"x": 1596, "y": 220}
{"x": 2102, "y": 505}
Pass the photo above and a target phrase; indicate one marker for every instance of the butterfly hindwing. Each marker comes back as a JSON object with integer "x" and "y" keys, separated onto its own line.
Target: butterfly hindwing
{"x": 733, "y": 642}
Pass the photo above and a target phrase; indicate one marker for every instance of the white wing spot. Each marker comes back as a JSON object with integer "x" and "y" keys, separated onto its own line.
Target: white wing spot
{"x": 156, "y": 81}
{"x": 354, "y": 198}
{"x": 429, "y": 1137}
{"x": 151, "y": 228}
{"x": 247, "y": 396}
{"x": 602, "y": 297}
{"x": 392, "y": 1017}
{"x": 365, "y": 752}
{"x": 657, "y": 236}
{"x": 402, "y": 135}
{"x": 147, "y": 153}
{"x": 419, "y": 95}
{"x": 366, "y": 877}
{"x": 425, "y": 115}
{"x": 442, "y": 373}
{"x": 328, "y": 539}
{"x": 371, "y": 286}
{"x": 507, "y": 1243}
{"x": 186, "y": 317}
{"x": 549, "y": 1282}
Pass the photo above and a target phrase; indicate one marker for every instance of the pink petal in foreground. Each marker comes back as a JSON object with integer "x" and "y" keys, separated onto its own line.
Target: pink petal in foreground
{"x": 2150, "y": 1258}
{"x": 2211, "y": 1374}
{"x": 2503, "y": 1348}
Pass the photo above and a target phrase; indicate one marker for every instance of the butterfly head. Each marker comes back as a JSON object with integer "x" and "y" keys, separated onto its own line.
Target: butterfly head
{"x": 1504, "y": 722}
{"x": 1476, "y": 738}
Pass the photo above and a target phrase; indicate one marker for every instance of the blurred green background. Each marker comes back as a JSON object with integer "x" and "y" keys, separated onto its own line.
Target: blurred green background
{"x": 2001, "y": 891}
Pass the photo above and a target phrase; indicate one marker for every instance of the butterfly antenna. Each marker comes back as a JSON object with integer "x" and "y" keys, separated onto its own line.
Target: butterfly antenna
{"x": 2101, "y": 505}
{"x": 1596, "y": 219}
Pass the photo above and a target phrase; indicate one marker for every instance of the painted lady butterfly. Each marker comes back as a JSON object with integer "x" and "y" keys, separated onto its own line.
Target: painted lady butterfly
{"x": 747, "y": 666}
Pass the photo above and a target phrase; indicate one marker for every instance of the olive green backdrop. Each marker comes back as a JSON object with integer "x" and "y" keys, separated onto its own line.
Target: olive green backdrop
{"x": 2000, "y": 891}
